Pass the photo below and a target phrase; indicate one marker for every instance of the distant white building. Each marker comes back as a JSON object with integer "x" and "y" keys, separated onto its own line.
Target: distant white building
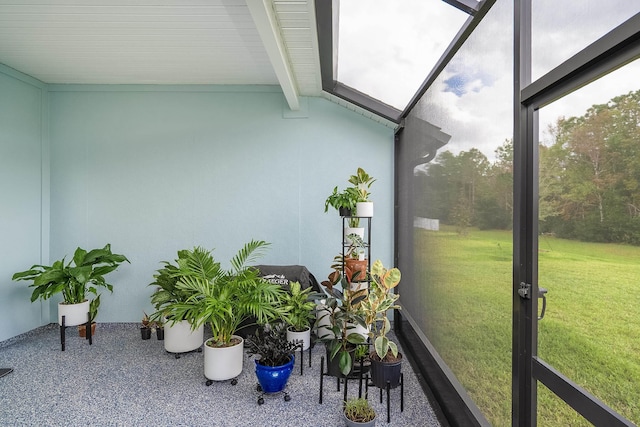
{"x": 426, "y": 223}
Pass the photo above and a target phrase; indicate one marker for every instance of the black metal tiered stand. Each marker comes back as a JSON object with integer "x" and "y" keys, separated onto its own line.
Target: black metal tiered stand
{"x": 361, "y": 375}
{"x": 63, "y": 328}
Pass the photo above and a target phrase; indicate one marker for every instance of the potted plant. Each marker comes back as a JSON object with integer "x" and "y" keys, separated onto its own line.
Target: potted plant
{"x": 275, "y": 356}
{"x": 224, "y": 299}
{"x": 355, "y": 259}
{"x": 362, "y": 182}
{"x": 94, "y": 304}
{"x": 74, "y": 280}
{"x": 145, "y": 327}
{"x": 179, "y": 335}
{"x": 385, "y": 359}
{"x": 359, "y": 412}
{"x": 299, "y": 306}
{"x": 344, "y": 201}
{"x": 340, "y": 316}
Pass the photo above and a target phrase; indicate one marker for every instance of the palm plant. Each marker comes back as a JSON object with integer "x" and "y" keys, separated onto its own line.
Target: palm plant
{"x": 225, "y": 298}
{"x": 166, "y": 279}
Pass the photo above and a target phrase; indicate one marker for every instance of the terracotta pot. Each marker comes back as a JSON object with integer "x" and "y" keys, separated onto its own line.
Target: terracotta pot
{"x": 357, "y": 266}
{"x": 82, "y": 330}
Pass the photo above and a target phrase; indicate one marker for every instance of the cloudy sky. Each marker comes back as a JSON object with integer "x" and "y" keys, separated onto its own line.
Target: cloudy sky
{"x": 386, "y": 49}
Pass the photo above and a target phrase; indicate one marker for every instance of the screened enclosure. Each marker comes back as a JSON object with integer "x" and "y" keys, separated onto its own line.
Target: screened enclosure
{"x": 516, "y": 217}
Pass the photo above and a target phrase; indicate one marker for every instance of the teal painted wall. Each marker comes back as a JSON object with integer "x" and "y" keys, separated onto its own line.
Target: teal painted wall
{"x": 155, "y": 169}
{"x": 24, "y": 210}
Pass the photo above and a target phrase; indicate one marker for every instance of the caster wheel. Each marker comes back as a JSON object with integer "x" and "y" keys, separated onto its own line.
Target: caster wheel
{"x": 199, "y": 349}
{"x": 177, "y": 356}
{"x": 258, "y": 388}
{"x": 208, "y": 383}
{"x": 261, "y": 401}
{"x": 234, "y": 381}
{"x": 287, "y": 398}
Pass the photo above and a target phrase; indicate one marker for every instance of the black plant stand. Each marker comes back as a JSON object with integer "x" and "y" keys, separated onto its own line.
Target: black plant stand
{"x": 63, "y": 329}
{"x": 354, "y": 376}
{"x": 388, "y": 389}
{"x": 300, "y": 346}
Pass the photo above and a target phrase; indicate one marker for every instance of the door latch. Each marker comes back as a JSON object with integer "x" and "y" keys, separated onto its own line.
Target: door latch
{"x": 525, "y": 290}
{"x": 525, "y": 293}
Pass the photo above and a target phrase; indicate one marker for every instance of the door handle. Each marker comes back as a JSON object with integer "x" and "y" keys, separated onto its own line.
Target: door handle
{"x": 542, "y": 293}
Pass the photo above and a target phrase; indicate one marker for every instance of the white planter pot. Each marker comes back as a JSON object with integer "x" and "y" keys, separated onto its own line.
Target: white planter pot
{"x": 364, "y": 209}
{"x": 296, "y": 337}
{"x": 223, "y": 363}
{"x": 357, "y": 329}
{"x": 323, "y": 323}
{"x": 351, "y": 230}
{"x": 179, "y": 338}
{"x": 74, "y": 314}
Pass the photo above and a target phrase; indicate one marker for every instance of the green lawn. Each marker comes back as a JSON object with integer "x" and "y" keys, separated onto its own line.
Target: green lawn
{"x": 591, "y": 332}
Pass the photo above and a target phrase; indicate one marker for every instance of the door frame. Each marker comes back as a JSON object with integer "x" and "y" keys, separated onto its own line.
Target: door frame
{"x": 617, "y": 48}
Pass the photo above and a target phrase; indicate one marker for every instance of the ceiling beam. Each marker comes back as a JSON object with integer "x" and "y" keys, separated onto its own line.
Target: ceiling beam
{"x": 264, "y": 17}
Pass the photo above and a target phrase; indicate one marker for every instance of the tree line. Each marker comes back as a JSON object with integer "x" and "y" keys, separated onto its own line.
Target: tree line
{"x": 589, "y": 179}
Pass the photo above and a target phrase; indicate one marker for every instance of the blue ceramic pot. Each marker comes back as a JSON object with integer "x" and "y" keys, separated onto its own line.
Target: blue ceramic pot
{"x": 273, "y": 379}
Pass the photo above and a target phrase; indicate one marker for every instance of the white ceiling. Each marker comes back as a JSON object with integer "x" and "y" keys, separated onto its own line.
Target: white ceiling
{"x": 243, "y": 42}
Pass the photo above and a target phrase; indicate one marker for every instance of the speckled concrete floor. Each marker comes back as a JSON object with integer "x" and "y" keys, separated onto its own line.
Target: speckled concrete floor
{"x": 122, "y": 380}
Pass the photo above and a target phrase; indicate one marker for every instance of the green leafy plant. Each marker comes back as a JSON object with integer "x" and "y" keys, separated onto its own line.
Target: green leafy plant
{"x": 83, "y": 274}
{"x": 362, "y": 183}
{"x": 342, "y": 309}
{"x": 359, "y": 410}
{"x": 94, "y": 304}
{"x": 225, "y": 298}
{"x": 357, "y": 246}
{"x": 146, "y": 321}
{"x": 346, "y": 198}
{"x": 270, "y": 343}
{"x": 299, "y": 306}
{"x": 378, "y": 302}
{"x": 166, "y": 279}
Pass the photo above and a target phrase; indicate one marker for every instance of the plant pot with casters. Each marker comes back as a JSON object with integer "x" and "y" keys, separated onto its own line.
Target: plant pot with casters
{"x": 224, "y": 299}
{"x": 275, "y": 358}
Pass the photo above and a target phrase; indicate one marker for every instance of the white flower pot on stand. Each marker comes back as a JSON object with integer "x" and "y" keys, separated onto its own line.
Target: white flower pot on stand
{"x": 74, "y": 314}
{"x": 223, "y": 363}
{"x": 296, "y": 337}
{"x": 364, "y": 209}
{"x": 353, "y": 230}
{"x": 180, "y": 338}
{"x": 323, "y": 322}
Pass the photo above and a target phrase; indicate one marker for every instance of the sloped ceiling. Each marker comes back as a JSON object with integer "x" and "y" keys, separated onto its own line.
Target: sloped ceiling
{"x": 243, "y": 42}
